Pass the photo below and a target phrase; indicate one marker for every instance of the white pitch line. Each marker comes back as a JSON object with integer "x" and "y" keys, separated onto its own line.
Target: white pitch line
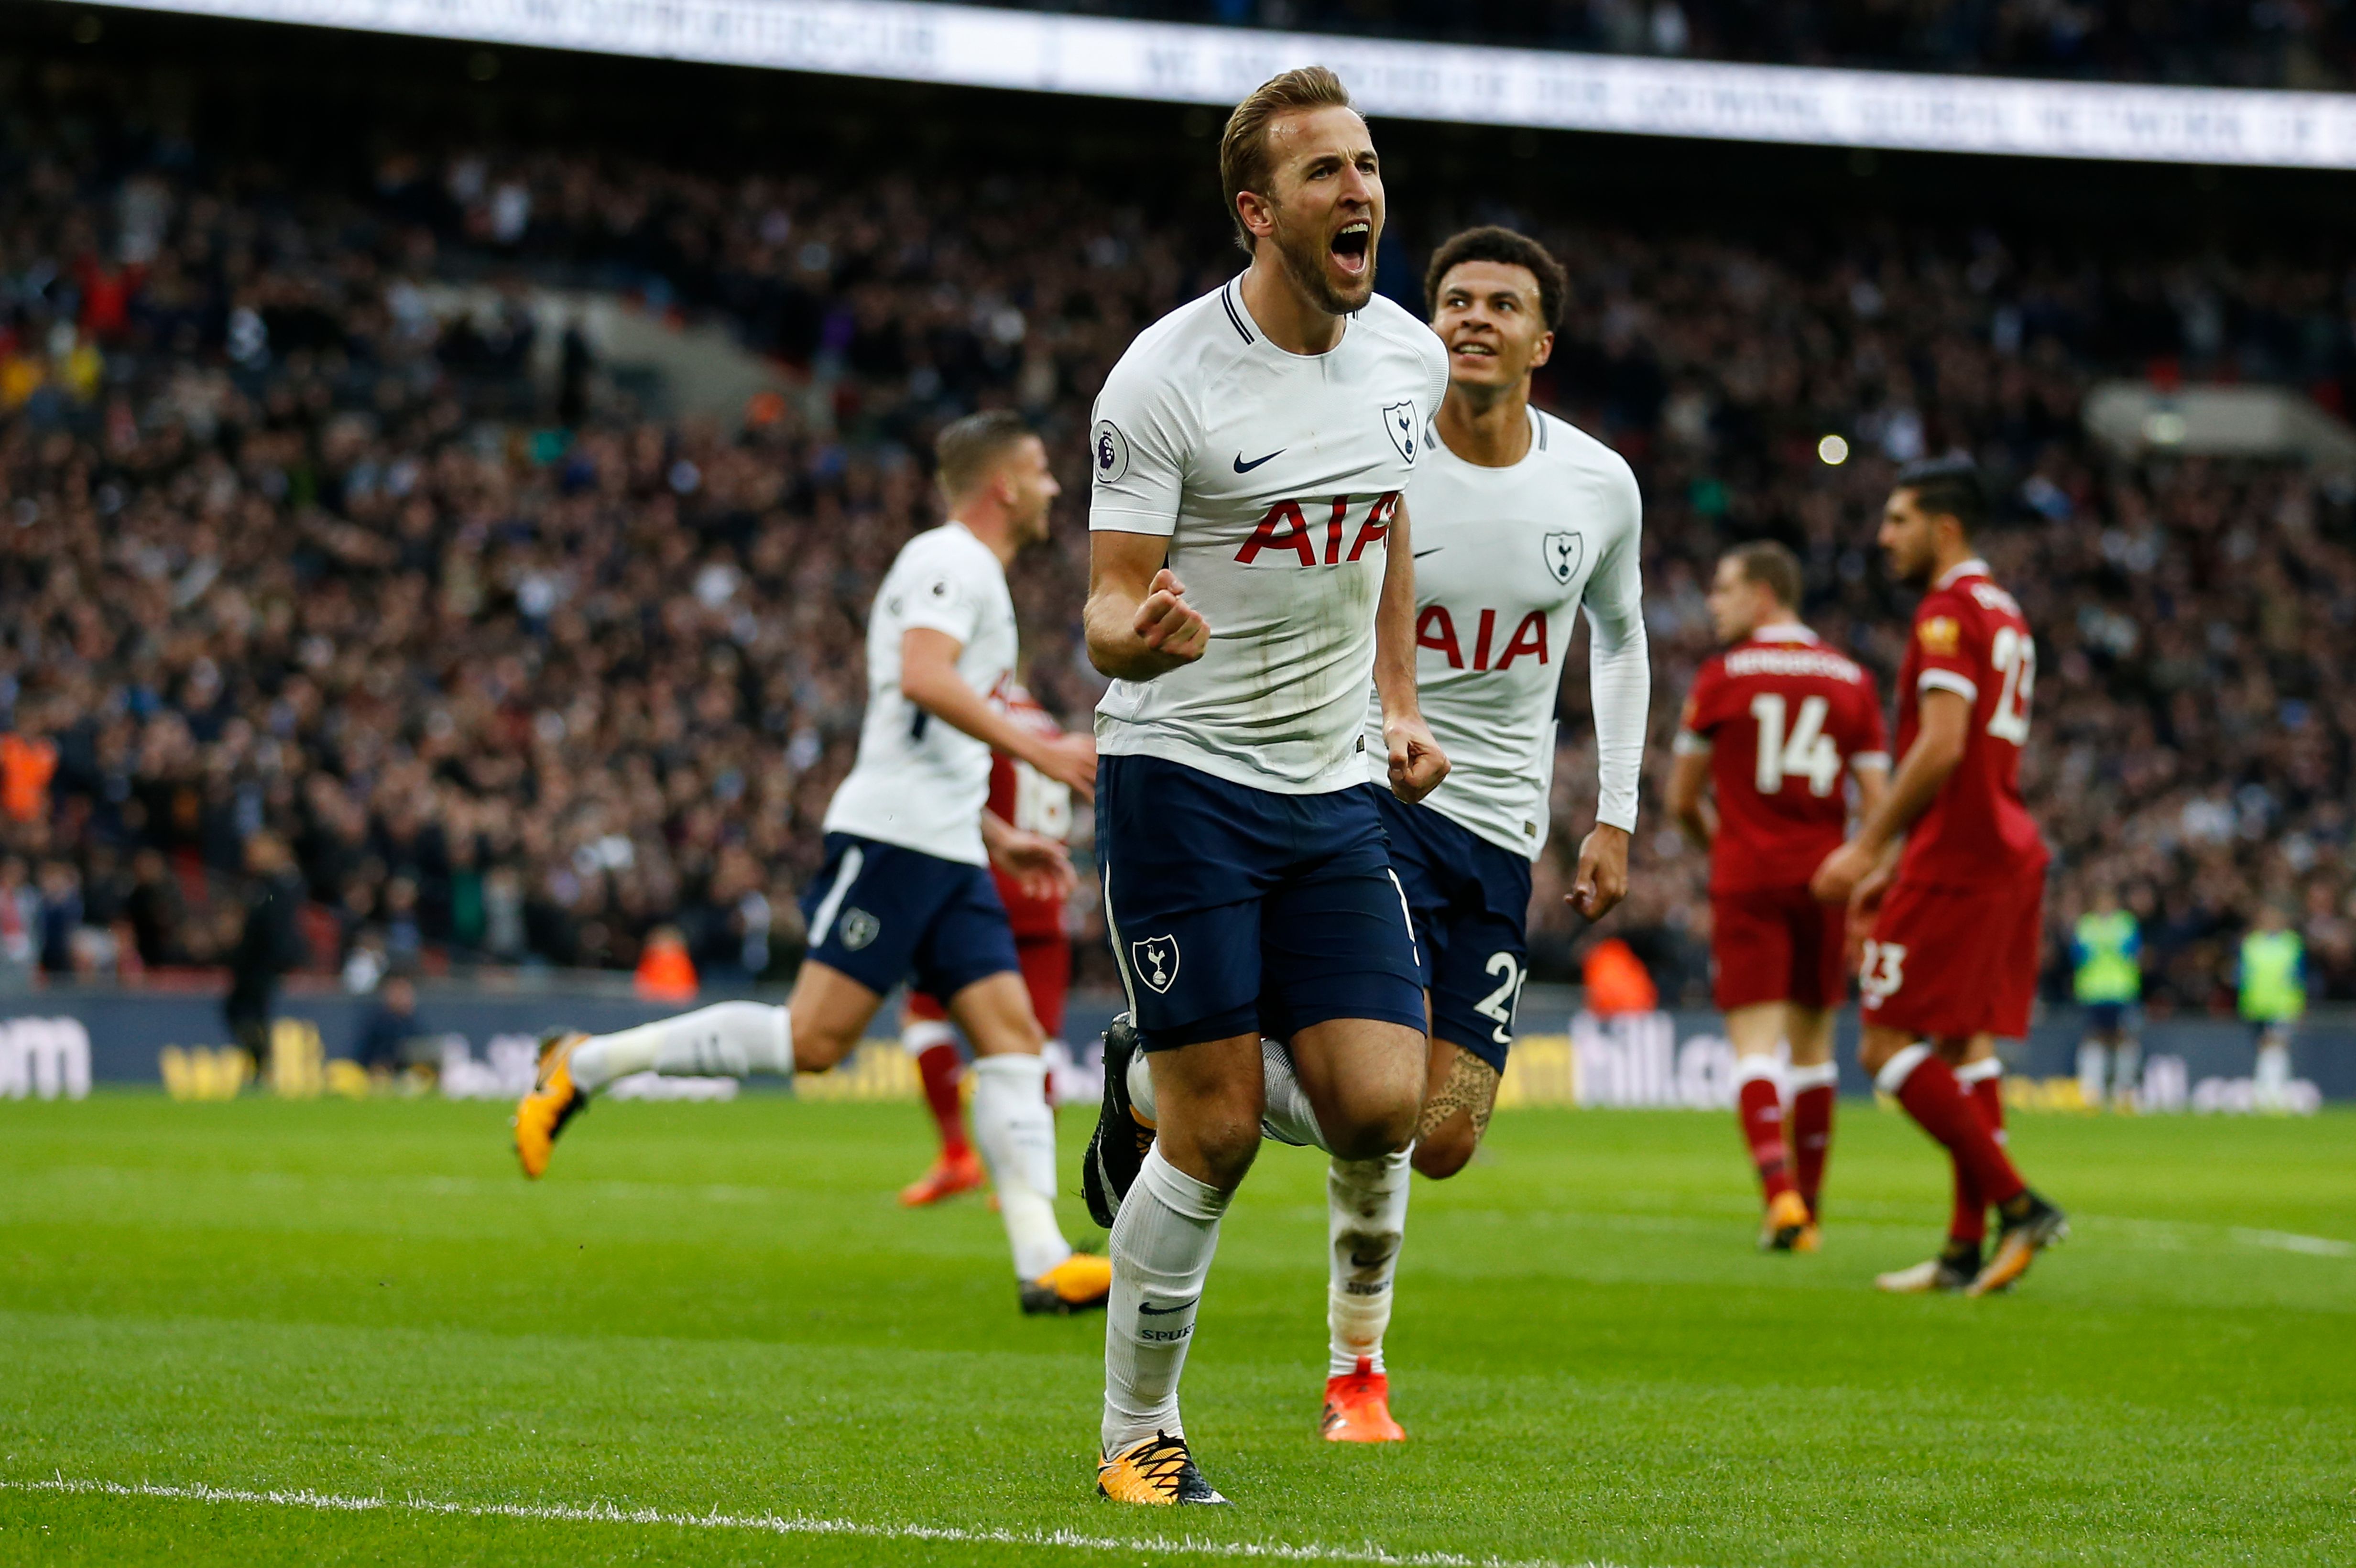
{"x": 784, "y": 1524}
{"x": 2289, "y": 1241}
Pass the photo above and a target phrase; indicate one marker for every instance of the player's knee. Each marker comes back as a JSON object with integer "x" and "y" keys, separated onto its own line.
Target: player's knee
{"x": 819, "y": 1046}
{"x": 1366, "y": 1127}
{"x": 1224, "y": 1148}
{"x": 1878, "y": 1045}
{"x": 1447, "y": 1148}
{"x": 1212, "y": 1132}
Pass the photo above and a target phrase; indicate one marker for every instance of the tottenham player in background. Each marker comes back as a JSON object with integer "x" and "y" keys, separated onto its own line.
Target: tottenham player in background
{"x": 1775, "y": 727}
{"x": 1249, "y": 578}
{"x": 1521, "y": 521}
{"x": 906, "y": 892}
{"x": 1952, "y": 869}
{"x": 1022, "y": 795}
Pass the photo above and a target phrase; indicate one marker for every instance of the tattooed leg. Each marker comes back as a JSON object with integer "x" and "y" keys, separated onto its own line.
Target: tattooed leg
{"x": 1456, "y": 1106}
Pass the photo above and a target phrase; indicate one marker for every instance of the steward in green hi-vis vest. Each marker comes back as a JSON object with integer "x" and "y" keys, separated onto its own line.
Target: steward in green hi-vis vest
{"x": 2273, "y": 976}
{"x": 2108, "y": 948}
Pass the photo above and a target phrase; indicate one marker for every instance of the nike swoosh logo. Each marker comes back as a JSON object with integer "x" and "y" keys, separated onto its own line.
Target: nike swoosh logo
{"x": 1242, "y": 467}
{"x": 1147, "y": 1308}
{"x": 1435, "y": 549}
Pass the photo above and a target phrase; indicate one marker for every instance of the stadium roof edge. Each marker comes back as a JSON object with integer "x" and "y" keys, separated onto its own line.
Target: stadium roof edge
{"x": 970, "y": 46}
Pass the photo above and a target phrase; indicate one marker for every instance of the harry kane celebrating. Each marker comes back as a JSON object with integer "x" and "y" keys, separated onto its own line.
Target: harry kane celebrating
{"x": 1523, "y": 521}
{"x": 1249, "y": 578}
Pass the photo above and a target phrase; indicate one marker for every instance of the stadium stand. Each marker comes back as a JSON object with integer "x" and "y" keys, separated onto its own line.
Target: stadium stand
{"x": 523, "y": 671}
{"x": 2231, "y": 45}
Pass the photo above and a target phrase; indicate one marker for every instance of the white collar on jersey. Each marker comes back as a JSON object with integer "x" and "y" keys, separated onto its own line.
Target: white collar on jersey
{"x": 1431, "y": 438}
{"x": 1785, "y": 632}
{"x": 1975, "y": 567}
{"x": 1248, "y": 326}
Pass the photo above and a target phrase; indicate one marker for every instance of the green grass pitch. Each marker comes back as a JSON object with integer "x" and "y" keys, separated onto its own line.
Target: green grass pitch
{"x": 715, "y": 1320}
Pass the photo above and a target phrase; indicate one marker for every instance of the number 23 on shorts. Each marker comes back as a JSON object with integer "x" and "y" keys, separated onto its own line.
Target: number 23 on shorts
{"x": 1881, "y": 970}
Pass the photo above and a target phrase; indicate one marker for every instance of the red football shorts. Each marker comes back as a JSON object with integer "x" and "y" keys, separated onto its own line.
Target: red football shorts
{"x": 1046, "y": 973}
{"x": 1949, "y": 963}
{"x": 1776, "y": 945}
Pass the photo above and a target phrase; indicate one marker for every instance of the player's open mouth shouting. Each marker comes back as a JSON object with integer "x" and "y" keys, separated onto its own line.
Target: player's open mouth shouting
{"x": 1352, "y": 246}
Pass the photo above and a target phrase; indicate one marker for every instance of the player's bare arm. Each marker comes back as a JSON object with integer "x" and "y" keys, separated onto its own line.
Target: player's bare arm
{"x": 1416, "y": 763}
{"x": 929, "y": 678}
{"x": 1872, "y": 787}
{"x": 1138, "y": 623}
{"x": 1041, "y": 865}
{"x": 1938, "y": 747}
{"x": 1687, "y": 798}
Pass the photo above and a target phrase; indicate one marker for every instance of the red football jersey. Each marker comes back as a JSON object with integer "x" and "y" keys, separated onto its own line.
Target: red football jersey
{"x": 1021, "y": 795}
{"x": 1785, "y": 719}
{"x": 1970, "y": 639}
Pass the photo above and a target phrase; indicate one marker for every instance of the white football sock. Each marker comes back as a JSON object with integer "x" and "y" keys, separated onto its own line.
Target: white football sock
{"x": 728, "y": 1040}
{"x": 1823, "y": 1075}
{"x": 1365, "y": 1214}
{"x": 1141, "y": 1086}
{"x": 1016, "y": 1134}
{"x": 2272, "y": 1075}
{"x": 2126, "y": 1067}
{"x": 1162, "y": 1248}
{"x": 918, "y": 1036}
{"x": 1285, "y": 1115}
{"x": 1901, "y": 1065}
{"x": 2091, "y": 1065}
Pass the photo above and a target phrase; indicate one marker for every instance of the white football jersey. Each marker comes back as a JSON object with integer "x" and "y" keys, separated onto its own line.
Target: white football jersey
{"x": 919, "y": 782}
{"x": 1275, "y": 477}
{"x": 1503, "y": 560}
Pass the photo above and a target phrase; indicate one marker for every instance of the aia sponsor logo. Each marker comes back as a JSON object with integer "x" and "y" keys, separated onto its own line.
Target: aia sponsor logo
{"x": 1435, "y": 629}
{"x": 1320, "y": 533}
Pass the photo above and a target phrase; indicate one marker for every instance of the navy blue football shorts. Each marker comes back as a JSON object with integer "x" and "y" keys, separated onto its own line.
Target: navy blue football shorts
{"x": 881, "y": 914}
{"x": 2108, "y": 1018}
{"x": 1471, "y": 902}
{"x": 1233, "y": 909}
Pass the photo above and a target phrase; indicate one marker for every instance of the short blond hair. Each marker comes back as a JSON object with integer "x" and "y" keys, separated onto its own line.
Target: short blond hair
{"x": 1242, "y": 146}
{"x": 1773, "y": 567}
{"x": 970, "y": 450}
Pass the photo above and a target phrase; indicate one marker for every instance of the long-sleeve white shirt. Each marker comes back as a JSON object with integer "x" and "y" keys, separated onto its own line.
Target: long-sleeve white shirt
{"x": 1505, "y": 561}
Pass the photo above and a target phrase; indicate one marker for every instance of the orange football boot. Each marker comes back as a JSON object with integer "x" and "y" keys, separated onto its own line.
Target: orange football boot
{"x": 1081, "y": 1283}
{"x": 951, "y": 1174}
{"x": 1787, "y": 1218}
{"x": 1358, "y": 1407}
{"x": 1158, "y": 1472}
{"x": 2017, "y": 1245}
{"x": 553, "y": 1100}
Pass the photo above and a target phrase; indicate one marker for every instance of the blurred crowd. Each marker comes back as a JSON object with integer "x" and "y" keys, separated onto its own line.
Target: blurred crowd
{"x": 2231, "y": 43}
{"x": 525, "y": 670}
